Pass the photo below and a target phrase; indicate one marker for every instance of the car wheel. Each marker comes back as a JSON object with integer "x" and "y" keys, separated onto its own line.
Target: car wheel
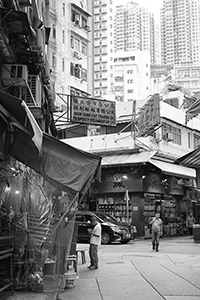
{"x": 105, "y": 238}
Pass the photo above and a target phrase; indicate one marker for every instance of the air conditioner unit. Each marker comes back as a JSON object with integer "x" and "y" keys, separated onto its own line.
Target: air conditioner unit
{"x": 14, "y": 74}
{"x": 35, "y": 86}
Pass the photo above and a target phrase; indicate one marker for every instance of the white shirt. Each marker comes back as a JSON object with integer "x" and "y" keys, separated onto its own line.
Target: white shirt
{"x": 96, "y": 235}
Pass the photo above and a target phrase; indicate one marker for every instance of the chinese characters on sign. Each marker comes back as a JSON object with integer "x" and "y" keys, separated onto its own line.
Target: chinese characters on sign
{"x": 149, "y": 115}
{"x": 193, "y": 195}
{"x": 93, "y": 111}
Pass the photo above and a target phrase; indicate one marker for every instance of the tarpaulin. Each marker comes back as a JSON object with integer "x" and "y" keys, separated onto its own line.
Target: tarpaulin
{"x": 64, "y": 166}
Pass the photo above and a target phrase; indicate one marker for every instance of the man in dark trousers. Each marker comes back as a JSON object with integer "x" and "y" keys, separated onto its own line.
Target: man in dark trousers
{"x": 156, "y": 227}
{"x": 190, "y": 221}
{"x": 95, "y": 241}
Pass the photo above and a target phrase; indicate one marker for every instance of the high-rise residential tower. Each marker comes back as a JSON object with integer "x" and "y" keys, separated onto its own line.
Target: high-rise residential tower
{"x": 134, "y": 29}
{"x": 180, "y": 32}
{"x": 103, "y": 47}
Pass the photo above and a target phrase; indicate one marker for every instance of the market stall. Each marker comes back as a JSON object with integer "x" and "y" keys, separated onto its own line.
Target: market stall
{"x": 42, "y": 182}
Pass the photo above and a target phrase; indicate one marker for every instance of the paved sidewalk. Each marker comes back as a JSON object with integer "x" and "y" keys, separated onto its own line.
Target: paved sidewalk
{"x": 134, "y": 271}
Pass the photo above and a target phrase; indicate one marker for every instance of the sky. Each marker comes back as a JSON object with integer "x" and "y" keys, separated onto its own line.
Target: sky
{"x": 152, "y": 5}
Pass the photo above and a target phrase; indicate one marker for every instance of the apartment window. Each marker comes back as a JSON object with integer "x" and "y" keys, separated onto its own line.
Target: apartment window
{"x": 54, "y": 31}
{"x": 71, "y": 69}
{"x": 75, "y": 17}
{"x": 84, "y": 48}
{"x": 130, "y": 81}
{"x": 189, "y": 140}
{"x": 171, "y": 133}
{"x": 63, "y": 36}
{"x": 54, "y": 60}
{"x": 64, "y": 9}
{"x": 84, "y": 75}
{"x": 129, "y": 71}
{"x": 130, "y": 91}
{"x": 84, "y": 22}
{"x": 77, "y": 44}
{"x": 63, "y": 65}
{"x": 196, "y": 141}
{"x": 72, "y": 42}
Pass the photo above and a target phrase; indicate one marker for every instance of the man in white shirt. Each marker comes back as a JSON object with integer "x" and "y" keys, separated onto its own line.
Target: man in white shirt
{"x": 95, "y": 241}
{"x": 156, "y": 228}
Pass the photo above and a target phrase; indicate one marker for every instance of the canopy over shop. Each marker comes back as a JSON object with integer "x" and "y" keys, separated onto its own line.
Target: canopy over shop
{"x": 151, "y": 183}
{"x": 192, "y": 159}
{"x": 65, "y": 171}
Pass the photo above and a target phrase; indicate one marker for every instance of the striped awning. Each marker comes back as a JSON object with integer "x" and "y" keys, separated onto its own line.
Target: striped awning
{"x": 191, "y": 159}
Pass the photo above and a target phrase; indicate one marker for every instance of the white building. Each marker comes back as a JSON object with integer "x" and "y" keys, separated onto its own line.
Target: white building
{"x": 131, "y": 75}
{"x": 188, "y": 77}
{"x": 70, "y": 52}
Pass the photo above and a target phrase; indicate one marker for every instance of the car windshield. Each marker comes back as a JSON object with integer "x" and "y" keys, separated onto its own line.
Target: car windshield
{"x": 106, "y": 218}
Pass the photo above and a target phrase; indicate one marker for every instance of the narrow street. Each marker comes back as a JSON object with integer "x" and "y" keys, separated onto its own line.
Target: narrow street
{"x": 135, "y": 271}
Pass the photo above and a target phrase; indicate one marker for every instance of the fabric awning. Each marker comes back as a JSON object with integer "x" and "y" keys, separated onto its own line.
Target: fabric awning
{"x": 18, "y": 114}
{"x": 64, "y": 166}
{"x": 127, "y": 159}
{"x": 172, "y": 169}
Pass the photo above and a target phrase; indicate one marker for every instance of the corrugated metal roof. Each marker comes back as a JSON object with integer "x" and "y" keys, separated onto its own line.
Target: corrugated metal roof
{"x": 129, "y": 158}
{"x": 172, "y": 169}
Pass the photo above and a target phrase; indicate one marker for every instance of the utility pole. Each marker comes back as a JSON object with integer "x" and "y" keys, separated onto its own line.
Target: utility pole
{"x": 133, "y": 131}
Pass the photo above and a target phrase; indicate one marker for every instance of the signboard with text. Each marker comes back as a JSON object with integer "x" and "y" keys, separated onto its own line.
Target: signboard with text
{"x": 149, "y": 115}
{"x": 93, "y": 111}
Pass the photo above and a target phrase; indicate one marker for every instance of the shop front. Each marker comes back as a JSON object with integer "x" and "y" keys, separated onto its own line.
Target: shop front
{"x": 164, "y": 194}
{"x": 133, "y": 194}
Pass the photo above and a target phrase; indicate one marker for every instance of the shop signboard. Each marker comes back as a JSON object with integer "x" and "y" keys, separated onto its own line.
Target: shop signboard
{"x": 149, "y": 116}
{"x": 173, "y": 187}
{"x": 118, "y": 182}
{"x": 193, "y": 194}
{"x": 92, "y": 111}
{"x": 153, "y": 183}
{"x": 156, "y": 183}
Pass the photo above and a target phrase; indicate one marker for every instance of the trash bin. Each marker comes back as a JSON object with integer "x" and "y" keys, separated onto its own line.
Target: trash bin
{"x": 196, "y": 233}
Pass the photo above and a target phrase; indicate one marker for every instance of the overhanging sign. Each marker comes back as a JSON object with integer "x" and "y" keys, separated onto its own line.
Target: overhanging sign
{"x": 93, "y": 111}
{"x": 149, "y": 115}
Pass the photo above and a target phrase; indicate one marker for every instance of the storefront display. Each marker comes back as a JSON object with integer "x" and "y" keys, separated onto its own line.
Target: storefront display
{"x": 118, "y": 207}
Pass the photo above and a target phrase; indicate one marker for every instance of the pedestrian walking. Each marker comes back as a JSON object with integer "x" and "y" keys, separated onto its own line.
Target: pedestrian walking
{"x": 95, "y": 241}
{"x": 156, "y": 231}
{"x": 190, "y": 221}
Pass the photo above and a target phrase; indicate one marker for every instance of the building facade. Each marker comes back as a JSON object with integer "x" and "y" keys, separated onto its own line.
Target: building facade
{"x": 71, "y": 49}
{"x": 134, "y": 29}
{"x": 144, "y": 166}
{"x": 131, "y": 75}
{"x": 180, "y": 28}
{"x": 103, "y": 47}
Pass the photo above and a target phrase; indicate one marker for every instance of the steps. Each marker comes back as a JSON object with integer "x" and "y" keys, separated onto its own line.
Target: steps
{"x": 39, "y": 228}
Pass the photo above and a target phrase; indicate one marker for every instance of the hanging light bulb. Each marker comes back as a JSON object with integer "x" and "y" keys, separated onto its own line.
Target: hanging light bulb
{"x": 17, "y": 192}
